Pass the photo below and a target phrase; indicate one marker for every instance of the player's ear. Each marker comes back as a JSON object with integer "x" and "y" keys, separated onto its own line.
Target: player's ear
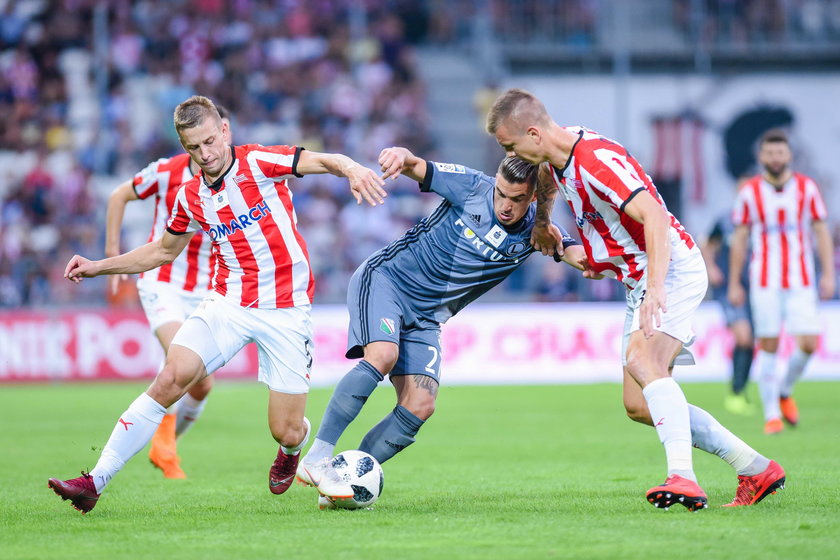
{"x": 534, "y": 134}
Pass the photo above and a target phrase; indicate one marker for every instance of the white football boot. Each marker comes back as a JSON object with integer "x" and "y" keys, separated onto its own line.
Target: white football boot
{"x": 324, "y": 478}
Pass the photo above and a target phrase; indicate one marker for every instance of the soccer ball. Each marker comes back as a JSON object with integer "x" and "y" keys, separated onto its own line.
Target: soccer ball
{"x": 364, "y": 474}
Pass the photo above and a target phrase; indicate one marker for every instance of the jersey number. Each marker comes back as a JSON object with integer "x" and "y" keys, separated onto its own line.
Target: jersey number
{"x": 430, "y": 366}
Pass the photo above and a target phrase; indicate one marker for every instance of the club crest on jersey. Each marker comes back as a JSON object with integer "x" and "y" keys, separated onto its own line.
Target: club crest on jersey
{"x": 387, "y": 326}
{"x": 590, "y": 217}
{"x": 254, "y": 214}
{"x": 484, "y": 249}
{"x": 450, "y": 168}
{"x": 239, "y": 179}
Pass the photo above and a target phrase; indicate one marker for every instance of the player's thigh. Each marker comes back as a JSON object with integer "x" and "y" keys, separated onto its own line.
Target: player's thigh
{"x": 649, "y": 359}
{"x": 418, "y": 393}
{"x": 216, "y": 332}
{"x": 183, "y": 368}
{"x": 285, "y": 416}
{"x": 420, "y": 353}
{"x": 284, "y": 346}
{"x": 767, "y": 306}
{"x": 801, "y": 314}
{"x": 376, "y": 314}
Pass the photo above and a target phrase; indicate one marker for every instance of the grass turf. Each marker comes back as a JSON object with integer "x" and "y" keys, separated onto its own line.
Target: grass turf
{"x": 499, "y": 472}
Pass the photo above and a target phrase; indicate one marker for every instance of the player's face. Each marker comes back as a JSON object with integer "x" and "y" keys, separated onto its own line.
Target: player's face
{"x": 511, "y": 200}
{"x": 523, "y": 146}
{"x": 775, "y": 157}
{"x": 208, "y": 146}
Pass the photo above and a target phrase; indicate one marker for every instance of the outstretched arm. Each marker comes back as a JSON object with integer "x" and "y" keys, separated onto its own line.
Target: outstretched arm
{"x": 738, "y": 245}
{"x": 364, "y": 183}
{"x": 122, "y": 195}
{"x": 149, "y": 256}
{"x": 397, "y": 160}
{"x": 543, "y": 237}
{"x": 825, "y": 252}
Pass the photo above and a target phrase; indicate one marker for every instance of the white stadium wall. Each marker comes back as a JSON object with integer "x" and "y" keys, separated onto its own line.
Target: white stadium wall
{"x": 485, "y": 344}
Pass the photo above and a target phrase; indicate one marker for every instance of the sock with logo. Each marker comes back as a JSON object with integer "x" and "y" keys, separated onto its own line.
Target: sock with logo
{"x": 347, "y": 400}
{"x": 796, "y": 365}
{"x": 393, "y": 434}
{"x": 188, "y": 410}
{"x": 768, "y": 384}
{"x": 742, "y": 358}
{"x": 709, "y": 435}
{"x": 133, "y": 431}
{"x": 669, "y": 411}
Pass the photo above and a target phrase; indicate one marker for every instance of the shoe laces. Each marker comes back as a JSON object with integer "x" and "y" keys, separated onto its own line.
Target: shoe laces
{"x": 327, "y": 471}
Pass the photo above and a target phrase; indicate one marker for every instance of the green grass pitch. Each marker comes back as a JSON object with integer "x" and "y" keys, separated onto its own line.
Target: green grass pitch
{"x": 499, "y": 472}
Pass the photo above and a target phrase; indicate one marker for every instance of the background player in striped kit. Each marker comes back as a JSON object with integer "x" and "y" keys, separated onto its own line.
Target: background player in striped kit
{"x": 778, "y": 209}
{"x": 399, "y": 297}
{"x": 262, "y": 290}
{"x": 168, "y": 294}
{"x": 628, "y": 234}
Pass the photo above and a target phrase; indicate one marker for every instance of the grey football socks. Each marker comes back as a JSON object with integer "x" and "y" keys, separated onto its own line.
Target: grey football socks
{"x": 393, "y": 434}
{"x": 347, "y": 400}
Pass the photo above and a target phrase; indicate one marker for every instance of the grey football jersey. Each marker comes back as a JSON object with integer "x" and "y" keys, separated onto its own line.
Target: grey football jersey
{"x": 460, "y": 251}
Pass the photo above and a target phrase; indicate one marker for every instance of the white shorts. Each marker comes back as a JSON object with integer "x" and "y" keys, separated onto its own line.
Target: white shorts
{"x": 164, "y": 303}
{"x": 796, "y": 308}
{"x": 219, "y": 329}
{"x": 685, "y": 287}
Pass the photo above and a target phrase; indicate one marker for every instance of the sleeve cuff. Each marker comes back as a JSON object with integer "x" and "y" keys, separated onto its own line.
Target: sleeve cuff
{"x": 426, "y": 185}
{"x": 298, "y": 150}
{"x": 631, "y": 197}
{"x": 173, "y": 232}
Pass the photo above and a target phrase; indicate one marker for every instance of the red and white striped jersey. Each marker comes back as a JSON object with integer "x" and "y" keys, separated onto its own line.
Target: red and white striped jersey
{"x": 261, "y": 258}
{"x": 780, "y": 227}
{"x": 192, "y": 270}
{"x": 598, "y": 181}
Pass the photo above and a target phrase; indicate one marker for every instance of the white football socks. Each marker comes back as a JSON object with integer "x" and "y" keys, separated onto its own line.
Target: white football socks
{"x": 296, "y": 449}
{"x": 669, "y": 411}
{"x": 133, "y": 431}
{"x": 320, "y": 450}
{"x": 187, "y": 411}
{"x": 796, "y": 365}
{"x": 709, "y": 435}
{"x": 768, "y": 384}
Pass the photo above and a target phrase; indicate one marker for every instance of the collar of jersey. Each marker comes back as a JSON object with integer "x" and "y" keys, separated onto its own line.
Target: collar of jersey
{"x": 568, "y": 161}
{"x": 219, "y": 183}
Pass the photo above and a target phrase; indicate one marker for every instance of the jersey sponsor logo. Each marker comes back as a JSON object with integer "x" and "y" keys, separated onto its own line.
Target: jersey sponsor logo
{"x": 220, "y": 200}
{"x": 450, "y": 168}
{"x": 590, "y": 217}
{"x": 476, "y": 241}
{"x": 495, "y": 236}
{"x": 387, "y": 326}
{"x": 240, "y": 178}
{"x": 254, "y": 214}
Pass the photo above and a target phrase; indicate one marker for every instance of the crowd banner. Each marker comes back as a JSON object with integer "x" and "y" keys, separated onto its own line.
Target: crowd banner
{"x": 484, "y": 344}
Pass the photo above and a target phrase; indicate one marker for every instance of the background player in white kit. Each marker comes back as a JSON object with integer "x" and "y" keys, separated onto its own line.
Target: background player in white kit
{"x": 778, "y": 209}
{"x": 628, "y": 234}
{"x": 168, "y": 294}
{"x": 263, "y": 290}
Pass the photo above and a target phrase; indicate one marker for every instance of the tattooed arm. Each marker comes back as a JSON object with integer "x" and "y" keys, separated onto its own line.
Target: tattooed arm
{"x": 544, "y": 238}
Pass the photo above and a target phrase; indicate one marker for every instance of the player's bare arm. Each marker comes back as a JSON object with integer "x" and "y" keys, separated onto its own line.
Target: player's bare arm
{"x": 364, "y": 183}
{"x": 151, "y": 255}
{"x": 737, "y": 258}
{"x": 648, "y": 212}
{"x": 576, "y": 257}
{"x": 543, "y": 238}
{"x": 825, "y": 252}
{"x": 122, "y": 195}
{"x": 397, "y": 160}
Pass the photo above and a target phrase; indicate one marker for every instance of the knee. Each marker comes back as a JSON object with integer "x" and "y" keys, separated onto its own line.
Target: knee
{"x": 808, "y": 346}
{"x": 770, "y": 345}
{"x": 383, "y": 358}
{"x": 638, "y": 413}
{"x": 200, "y": 390}
{"x": 421, "y": 406}
{"x": 171, "y": 383}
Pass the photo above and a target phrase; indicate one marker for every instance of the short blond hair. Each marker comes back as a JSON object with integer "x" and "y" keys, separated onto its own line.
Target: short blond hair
{"x": 193, "y": 111}
{"x": 519, "y": 105}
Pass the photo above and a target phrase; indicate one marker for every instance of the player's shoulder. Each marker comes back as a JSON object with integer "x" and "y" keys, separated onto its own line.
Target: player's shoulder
{"x": 750, "y": 184}
{"x": 593, "y": 145}
{"x": 281, "y": 149}
{"x": 174, "y": 163}
{"x": 806, "y": 180}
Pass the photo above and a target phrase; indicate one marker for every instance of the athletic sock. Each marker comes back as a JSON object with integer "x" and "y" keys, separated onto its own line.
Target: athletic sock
{"x": 796, "y": 365}
{"x": 133, "y": 431}
{"x": 768, "y": 384}
{"x": 393, "y": 434}
{"x": 320, "y": 450}
{"x": 296, "y": 449}
{"x": 347, "y": 400}
{"x": 188, "y": 410}
{"x": 709, "y": 435}
{"x": 669, "y": 411}
{"x": 742, "y": 358}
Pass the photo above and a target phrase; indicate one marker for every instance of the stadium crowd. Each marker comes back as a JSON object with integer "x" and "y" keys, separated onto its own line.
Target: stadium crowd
{"x": 81, "y": 111}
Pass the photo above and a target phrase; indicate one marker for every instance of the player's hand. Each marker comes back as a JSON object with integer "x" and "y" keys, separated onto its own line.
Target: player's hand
{"x": 651, "y": 309}
{"x": 366, "y": 185}
{"x": 588, "y": 273}
{"x": 547, "y": 239}
{"x": 827, "y": 285}
{"x": 115, "y": 281}
{"x": 392, "y": 161}
{"x": 78, "y": 268}
{"x": 736, "y": 294}
{"x": 716, "y": 277}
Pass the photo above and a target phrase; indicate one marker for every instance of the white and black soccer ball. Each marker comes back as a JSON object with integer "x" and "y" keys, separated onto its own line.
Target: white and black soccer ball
{"x": 364, "y": 474}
